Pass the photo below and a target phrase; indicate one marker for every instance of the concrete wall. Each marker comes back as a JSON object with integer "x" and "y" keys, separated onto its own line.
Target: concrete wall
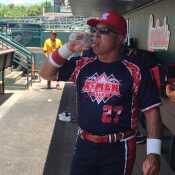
{"x": 139, "y": 20}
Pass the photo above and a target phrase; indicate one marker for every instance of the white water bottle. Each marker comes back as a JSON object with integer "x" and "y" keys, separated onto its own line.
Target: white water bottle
{"x": 83, "y": 38}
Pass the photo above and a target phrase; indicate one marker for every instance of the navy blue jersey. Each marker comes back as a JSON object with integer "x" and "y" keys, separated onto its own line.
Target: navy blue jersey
{"x": 110, "y": 95}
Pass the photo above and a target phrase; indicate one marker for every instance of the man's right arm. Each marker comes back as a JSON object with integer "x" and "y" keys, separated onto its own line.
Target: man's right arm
{"x": 55, "y": 60}
{"x": 51, "y": 67}
{"x": 46, "y": 54}
{"x": 48, "y": 71}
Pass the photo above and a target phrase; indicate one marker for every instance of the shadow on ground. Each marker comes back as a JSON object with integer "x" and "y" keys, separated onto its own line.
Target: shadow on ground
{"x": 4, "y": 97}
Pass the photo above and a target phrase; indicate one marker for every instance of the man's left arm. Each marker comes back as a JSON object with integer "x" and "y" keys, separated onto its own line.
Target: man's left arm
{"x": 151, "y": 164}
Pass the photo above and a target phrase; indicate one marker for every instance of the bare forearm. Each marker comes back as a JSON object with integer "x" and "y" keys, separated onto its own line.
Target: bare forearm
{"x": 58, "y": 58}
{"x": 48, "y": 71}
{"x": 154, "y": 124}
{"x": 151, "y": 164}
{"x": 46, "y": 55}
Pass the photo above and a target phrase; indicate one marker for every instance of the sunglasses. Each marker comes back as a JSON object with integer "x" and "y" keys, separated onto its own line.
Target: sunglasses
{"x": 102, "y": 30}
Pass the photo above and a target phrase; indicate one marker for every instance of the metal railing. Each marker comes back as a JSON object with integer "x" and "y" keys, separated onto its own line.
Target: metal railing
{"x": 22, "y": 56}
{"x": 57, "y": 22}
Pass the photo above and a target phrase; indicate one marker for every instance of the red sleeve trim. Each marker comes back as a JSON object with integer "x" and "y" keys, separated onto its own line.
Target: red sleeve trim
{"x": 57, "y": 58}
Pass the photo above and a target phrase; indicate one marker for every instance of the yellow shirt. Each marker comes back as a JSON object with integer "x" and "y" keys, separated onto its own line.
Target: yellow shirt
{"x": 50, "y": 46}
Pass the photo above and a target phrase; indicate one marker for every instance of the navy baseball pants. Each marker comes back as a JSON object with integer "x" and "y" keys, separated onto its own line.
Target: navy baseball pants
{"x": 103, "y": 159}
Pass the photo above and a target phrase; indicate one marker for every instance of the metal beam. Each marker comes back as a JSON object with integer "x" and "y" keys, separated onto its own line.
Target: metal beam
{"x": 96, "y": 7}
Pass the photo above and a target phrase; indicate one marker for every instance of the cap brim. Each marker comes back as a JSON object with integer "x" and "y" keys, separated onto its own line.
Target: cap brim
{"x": 94, "y": 22}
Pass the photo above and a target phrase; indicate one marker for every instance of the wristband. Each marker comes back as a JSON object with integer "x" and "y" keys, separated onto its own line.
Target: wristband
{"x": 154, "y": 146}
{"x": 51, "y": 61}
{"x": 65, "y": 52}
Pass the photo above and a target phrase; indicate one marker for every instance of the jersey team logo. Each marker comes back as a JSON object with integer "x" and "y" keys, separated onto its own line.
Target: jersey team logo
{"x": 101, "y": 87}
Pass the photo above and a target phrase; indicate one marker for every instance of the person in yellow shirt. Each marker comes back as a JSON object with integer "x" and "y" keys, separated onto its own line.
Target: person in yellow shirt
{"x": 50, "y": 45}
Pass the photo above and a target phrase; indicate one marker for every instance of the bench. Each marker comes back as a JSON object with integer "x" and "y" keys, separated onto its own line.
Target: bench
{"x": 6, "y": 57}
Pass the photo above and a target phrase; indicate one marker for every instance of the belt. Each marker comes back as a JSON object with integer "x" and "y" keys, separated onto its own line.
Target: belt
{"x": 108, "y": 138}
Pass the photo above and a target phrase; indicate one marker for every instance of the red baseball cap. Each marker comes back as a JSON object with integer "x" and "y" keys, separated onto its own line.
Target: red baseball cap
{"x": 113, "y": 19}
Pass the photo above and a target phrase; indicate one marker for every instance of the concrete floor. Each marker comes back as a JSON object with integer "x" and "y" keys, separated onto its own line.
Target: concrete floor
{"x": 34, "y": 142}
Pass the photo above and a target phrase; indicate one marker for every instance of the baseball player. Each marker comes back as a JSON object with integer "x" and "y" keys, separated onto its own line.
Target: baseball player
{"x": 111, "y": 91}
